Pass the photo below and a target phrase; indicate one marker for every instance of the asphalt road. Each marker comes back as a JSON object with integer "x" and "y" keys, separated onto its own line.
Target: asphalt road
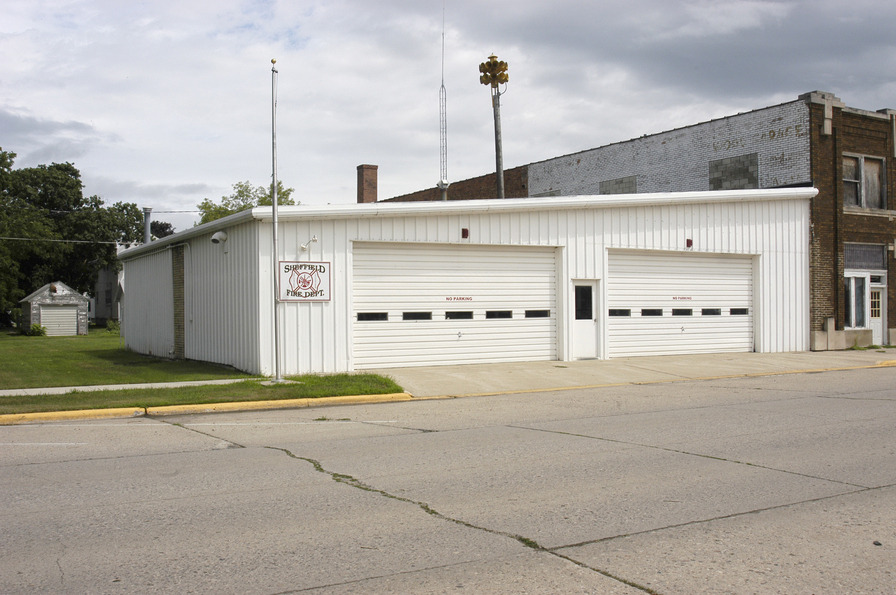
{"x": 779, "y": 484}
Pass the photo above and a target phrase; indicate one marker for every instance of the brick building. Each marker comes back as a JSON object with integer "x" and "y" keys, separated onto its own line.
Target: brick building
{"x": 816, "y": 140}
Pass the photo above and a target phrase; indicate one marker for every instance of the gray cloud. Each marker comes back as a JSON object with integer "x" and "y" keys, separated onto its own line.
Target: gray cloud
{"x": 170, "y": 104}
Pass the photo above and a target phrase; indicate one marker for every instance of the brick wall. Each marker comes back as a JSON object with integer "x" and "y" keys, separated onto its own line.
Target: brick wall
{"x": 834, "y": 226}
{"x": 515, "y": 186}
{"x": 367, "y": 183}
{"x": 177, "y": 274}
{"x": 678, "y": 160}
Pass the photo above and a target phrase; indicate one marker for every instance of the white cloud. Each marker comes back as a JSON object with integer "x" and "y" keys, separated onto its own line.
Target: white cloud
{"x": 167, "y": 103}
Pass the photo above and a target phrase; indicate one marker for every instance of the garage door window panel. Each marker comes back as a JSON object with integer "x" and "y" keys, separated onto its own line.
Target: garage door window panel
{"x": 416, "y": 315}
{"x": 466, "y": 315}
{"x": 372, "y": 316}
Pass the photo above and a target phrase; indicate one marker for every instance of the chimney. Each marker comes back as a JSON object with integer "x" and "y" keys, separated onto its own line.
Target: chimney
{"x": 147, "y": 234}
{"x": 367, "y": 183}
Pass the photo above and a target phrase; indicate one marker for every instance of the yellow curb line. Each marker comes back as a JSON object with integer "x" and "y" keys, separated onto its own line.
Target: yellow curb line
{"x": 84, "y": 414}
{"x": 281, "y": 404}
{"x": 11, "y": 419}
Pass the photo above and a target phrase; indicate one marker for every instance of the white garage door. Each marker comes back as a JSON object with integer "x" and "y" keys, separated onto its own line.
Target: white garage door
{"x": 59, "y": 320}
{"x": 417, "y": 305}
{"x": 679, "y": 303}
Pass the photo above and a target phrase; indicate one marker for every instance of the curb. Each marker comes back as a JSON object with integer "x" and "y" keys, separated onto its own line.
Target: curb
{"x": 282, "y": 404}
{"x": 12, "y": 419}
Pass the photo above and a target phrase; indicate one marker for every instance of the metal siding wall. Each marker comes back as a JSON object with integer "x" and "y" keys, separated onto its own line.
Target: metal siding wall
{"x": 318, "y": 336}
{"x": 221, "y": 299}
{"x": 778, "y": 230}
{"x": 147, "y": 319}
{"x": 228, "y": 298}
{"x": 315, "y": 336}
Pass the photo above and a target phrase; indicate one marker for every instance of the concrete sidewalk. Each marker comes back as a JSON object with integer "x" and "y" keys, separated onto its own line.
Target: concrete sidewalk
{"x": 484, "y": 379}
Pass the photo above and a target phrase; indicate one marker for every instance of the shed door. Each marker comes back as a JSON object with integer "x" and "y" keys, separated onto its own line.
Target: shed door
{"x": 679, "y": 303}
{"x": 59, "y": 320}
{"x": 421, "y": 304}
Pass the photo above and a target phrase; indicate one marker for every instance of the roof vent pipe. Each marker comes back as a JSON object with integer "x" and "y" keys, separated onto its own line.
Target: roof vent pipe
{"x": 147, "y": 235}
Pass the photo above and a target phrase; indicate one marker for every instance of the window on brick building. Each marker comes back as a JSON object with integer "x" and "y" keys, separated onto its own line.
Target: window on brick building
{"x": 863, "y": 182}
{"x": 856, "y": 301}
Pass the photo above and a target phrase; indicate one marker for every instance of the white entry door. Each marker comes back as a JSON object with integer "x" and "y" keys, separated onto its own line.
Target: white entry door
{"x": 876, "y": 315}
{"x": 584, "y": 324}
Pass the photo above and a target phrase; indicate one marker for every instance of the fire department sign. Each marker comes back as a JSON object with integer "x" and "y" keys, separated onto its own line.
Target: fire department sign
{"x": 304, "y": 281}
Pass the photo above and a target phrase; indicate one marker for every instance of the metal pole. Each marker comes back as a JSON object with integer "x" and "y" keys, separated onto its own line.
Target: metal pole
{"x": 276, "y": 263}
{"x": 147, "y": 226}
{"x": 499, "y": 158}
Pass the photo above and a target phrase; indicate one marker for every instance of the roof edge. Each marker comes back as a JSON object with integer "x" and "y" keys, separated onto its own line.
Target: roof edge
{"x": 496, "y": 205}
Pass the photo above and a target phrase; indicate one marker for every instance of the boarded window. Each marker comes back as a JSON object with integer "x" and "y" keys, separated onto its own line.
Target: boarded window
{"x": 626, "y": 185}
{"x": 864, "y": 182}
{"x": 734, "y": 173}
{"x": 865, "y": 256}
{"x": 851, "y": 184}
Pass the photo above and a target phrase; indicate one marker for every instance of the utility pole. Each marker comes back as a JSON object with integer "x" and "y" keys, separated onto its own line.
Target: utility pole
{"x": 494, "y": 73}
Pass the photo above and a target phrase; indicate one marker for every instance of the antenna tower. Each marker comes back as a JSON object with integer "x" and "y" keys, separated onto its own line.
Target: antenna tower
{"x": 443, "y": 122}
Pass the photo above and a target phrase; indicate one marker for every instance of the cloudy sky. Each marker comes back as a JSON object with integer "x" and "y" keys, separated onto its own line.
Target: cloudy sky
{"x": 166, "y": 103}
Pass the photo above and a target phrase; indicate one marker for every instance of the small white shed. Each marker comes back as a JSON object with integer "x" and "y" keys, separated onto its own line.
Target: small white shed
{"x": 58, "y": 308}
{"x": 402, "y": 284}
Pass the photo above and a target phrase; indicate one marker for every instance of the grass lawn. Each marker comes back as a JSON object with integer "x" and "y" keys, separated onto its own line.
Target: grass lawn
{"x": 99, "y": 358}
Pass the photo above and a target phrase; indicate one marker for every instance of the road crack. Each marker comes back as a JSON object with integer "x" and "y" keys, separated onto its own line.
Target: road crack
{"x": 525, "y": 541}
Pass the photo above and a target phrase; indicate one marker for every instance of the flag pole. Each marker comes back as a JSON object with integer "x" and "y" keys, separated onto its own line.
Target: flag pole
{"x": 276, "y": 266}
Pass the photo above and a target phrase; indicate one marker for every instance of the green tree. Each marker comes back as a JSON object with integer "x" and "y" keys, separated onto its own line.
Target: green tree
{"x": 244, "y": 196}
{"x": 49, "y": 231}
{"x": 160, "y": 229}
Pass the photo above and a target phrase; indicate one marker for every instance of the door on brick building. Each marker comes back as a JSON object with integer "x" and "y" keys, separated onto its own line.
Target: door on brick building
{"x": 865, "y": 289}
{"x": 875, "y": 314}
{"x": 865, "y": 300}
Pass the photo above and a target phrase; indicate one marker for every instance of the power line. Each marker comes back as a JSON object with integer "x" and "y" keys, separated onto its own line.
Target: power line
{"x": 64, "y": 241}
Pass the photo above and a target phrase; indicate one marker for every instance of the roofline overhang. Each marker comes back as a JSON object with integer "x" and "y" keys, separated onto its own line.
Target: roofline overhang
{"x": 507, "y": 205}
